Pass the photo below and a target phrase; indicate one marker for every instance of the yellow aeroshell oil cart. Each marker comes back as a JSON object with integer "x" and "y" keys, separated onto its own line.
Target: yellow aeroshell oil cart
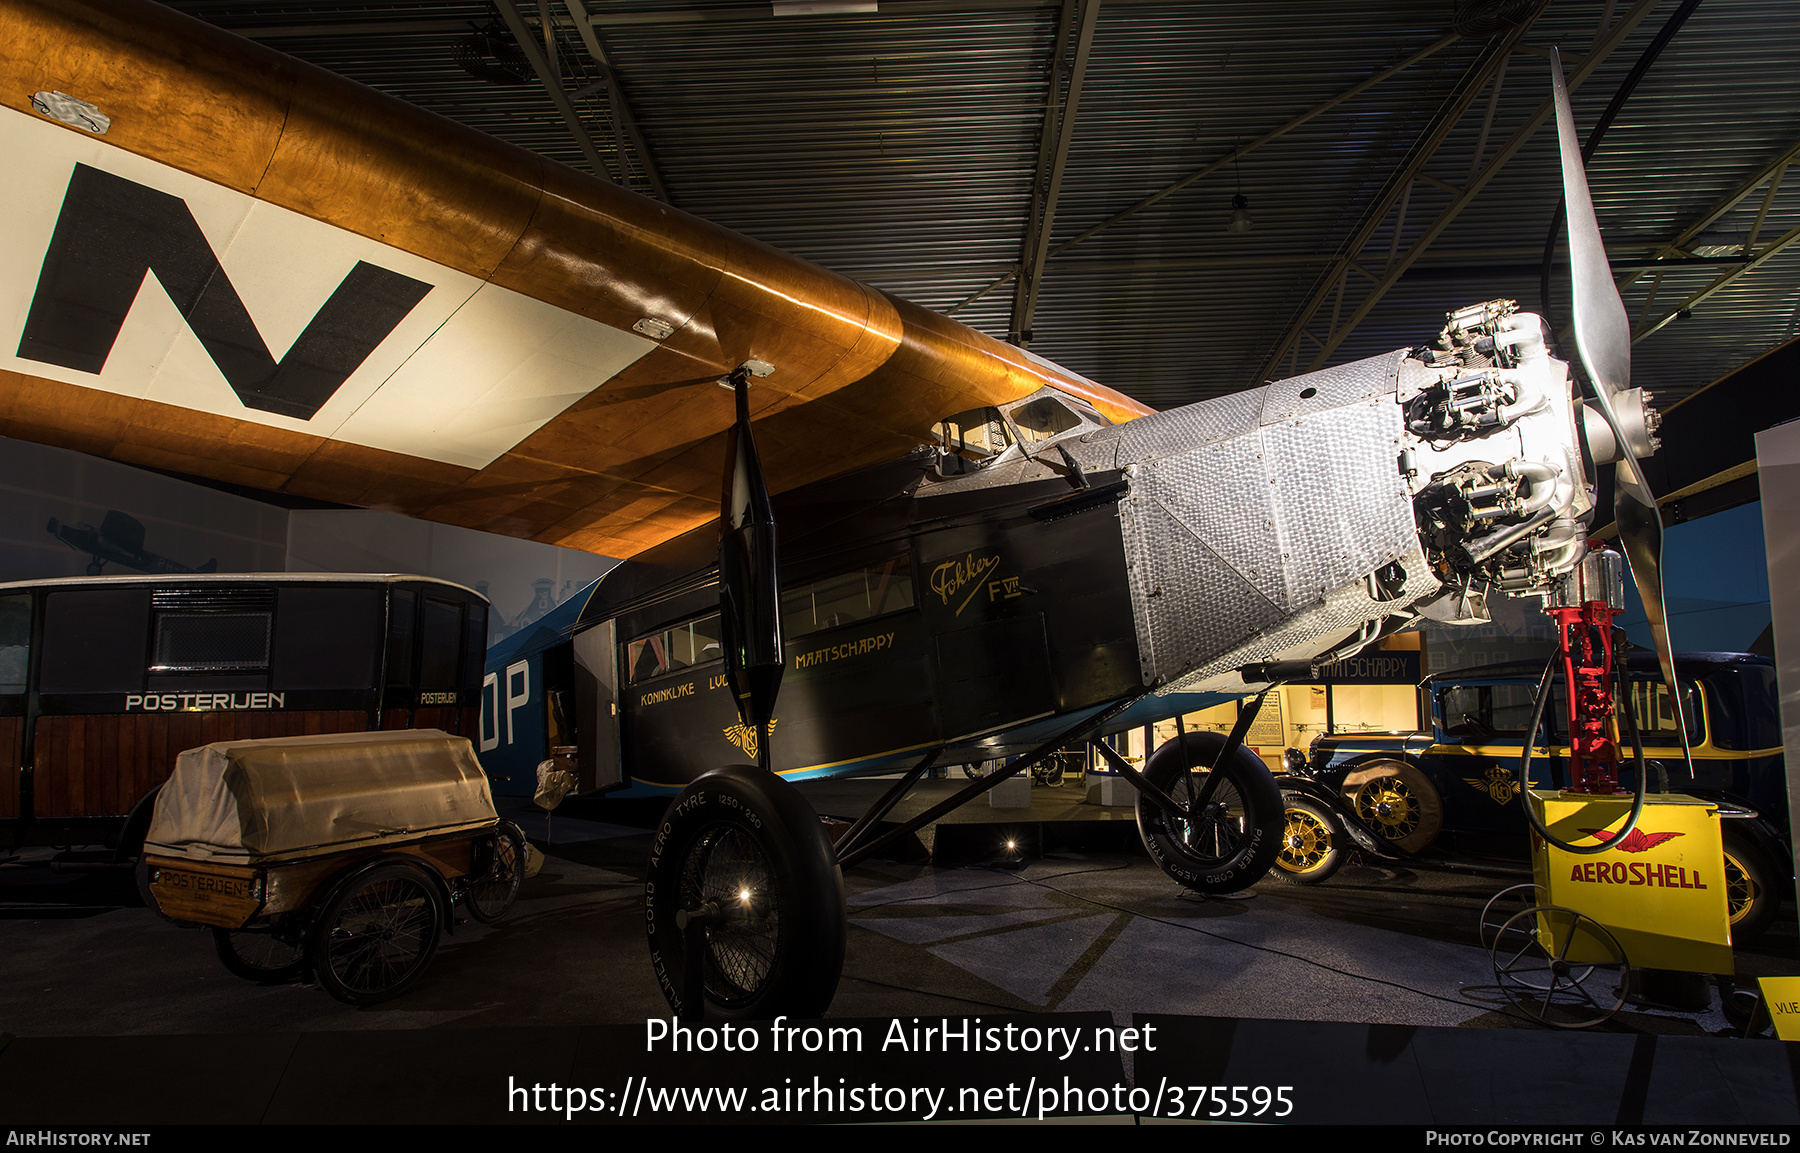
{"x": 1656, "y": 899}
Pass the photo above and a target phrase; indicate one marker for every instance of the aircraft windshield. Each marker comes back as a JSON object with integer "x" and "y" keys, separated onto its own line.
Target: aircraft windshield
{"x": 983, "y": 434}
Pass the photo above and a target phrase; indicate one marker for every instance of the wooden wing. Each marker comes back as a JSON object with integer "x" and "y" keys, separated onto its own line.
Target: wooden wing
{"x": 223, "y": 262}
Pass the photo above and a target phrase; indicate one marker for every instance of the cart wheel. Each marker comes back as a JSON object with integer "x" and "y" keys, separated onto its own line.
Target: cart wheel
{"x": 499, "y": 869}
{"x": 377, "y": 934}
{"x": 1532, "y": 962}
{"x": 260, "y": 954}
{"x": 743, "y": 851}
{"x": 1231, "y": 844}
{"x": 1311, "y": 845}
{"x": 1503, "y": 907}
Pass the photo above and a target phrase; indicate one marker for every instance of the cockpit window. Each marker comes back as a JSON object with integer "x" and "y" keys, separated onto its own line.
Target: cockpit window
{"x": 982, "y": 435}
{"x": 1044, "y": 418}
{"x": 979, "y": 434}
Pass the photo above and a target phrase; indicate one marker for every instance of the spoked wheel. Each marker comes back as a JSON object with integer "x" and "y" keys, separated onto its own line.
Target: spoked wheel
{"x": 499, "y": 867}
{"x": 377, "y": 933}
{"x": 1397, "y": 802}
{"x": 1560, "y": 968}
{"x": 1311, "y": 846}
{"x": 741, "y": 870}
{"x": 1236, "y": 816}
{"x": 1503, "y": 907}
{"x": 1750, "y": 897}
{"x": 260, "y": 954}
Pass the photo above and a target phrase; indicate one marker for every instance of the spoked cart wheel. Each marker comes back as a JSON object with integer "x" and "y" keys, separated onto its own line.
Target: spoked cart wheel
{"x": 377, "y": 933}
{"x": 498, "y": 869}
{"x": 1505, "y": 905}
{"x": 260, "y": 953}
{"x": 1559, "y": 967}
{"x": 745, "y": 902}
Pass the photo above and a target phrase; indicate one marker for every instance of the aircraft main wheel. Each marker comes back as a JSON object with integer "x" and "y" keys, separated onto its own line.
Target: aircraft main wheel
{"x": 259, "y": 954}
{"x": 743, "y": 852}
{"x": 975, "y": 770}
{"x": 377, "y": 933}
{"x": 1560, "y": 968}
{"x": 1750, "y": 896}
{"x": 1232, "y": 841}
{"x": 1397, "y": 802}
{"x": 499, "y": 869}
{"x": 1311, "y": 845}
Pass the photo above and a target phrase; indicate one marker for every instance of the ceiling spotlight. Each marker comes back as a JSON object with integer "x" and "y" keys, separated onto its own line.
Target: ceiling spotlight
{"x": 1241, "y": 220}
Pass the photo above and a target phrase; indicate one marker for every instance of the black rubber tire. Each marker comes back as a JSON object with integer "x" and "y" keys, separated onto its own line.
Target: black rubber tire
{"x": 260, "y": 955}
{"x": 1312, "y": 845}
{"x": 377, "y": 933}
{"x": 975, "y": 770}
{"x": 1750, "y": 893}
{"x": 745, "y": 841}
{"x": 493, "y": 884}
{"x": 1235, "y": 845}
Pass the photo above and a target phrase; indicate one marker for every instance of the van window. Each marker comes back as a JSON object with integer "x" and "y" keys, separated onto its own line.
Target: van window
{"x": 15, "y": 642}
{"x": 326, "y": 638}
{"x": 95, "y": 640}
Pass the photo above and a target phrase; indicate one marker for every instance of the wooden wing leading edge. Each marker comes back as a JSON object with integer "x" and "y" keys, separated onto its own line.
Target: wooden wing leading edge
{"x": 262, "y": 273}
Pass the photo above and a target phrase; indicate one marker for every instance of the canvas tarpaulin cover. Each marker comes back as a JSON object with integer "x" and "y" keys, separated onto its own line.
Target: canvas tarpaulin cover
{"x": 293, "y": 796}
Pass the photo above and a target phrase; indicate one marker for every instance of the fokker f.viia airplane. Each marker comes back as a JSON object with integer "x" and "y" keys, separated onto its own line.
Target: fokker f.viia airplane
{"x": 508, "y": 345}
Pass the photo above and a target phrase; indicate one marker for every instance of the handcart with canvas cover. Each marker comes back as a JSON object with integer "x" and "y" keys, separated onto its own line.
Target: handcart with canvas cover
{"x": 340, "y": 853}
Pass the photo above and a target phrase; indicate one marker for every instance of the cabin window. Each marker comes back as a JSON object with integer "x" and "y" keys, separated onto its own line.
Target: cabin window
{"x": 846, "y": 598}
{"x": 1655, "y": 715}
{"x": 1478, "y": 711}
{"x": 670, "y": 650}
{"x": 1745, "y": 712}
{"x": 15, "y": 642}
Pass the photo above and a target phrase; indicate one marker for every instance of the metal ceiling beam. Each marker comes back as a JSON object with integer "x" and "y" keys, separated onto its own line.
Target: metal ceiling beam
{"x": 1716, "y": 285}
{"x": 553, "y": 85}
{"x": 1229, "y": 158}
{"x": 623, "y": 121}
{"x": 360, "y": 28}
{"x": 1769, "y": 171}
{"x": 788, "y": 9}
{"x": 1603, "y": 47}
{"x": 1059, "y": 126}
{"x": 1487, "y": 69}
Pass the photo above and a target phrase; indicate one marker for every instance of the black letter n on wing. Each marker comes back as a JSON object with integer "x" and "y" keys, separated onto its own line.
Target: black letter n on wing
{"x": 112, "y": 230}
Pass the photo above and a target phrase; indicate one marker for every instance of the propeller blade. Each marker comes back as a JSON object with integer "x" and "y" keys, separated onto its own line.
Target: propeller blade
{"x": 1603, "y": 341}
{"x": 1602, "y": 327}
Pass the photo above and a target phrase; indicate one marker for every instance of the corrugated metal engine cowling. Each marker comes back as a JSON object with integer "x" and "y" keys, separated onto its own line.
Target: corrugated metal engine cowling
{"x": 263, "y": 801}
{"x": 1245, "y": 524}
